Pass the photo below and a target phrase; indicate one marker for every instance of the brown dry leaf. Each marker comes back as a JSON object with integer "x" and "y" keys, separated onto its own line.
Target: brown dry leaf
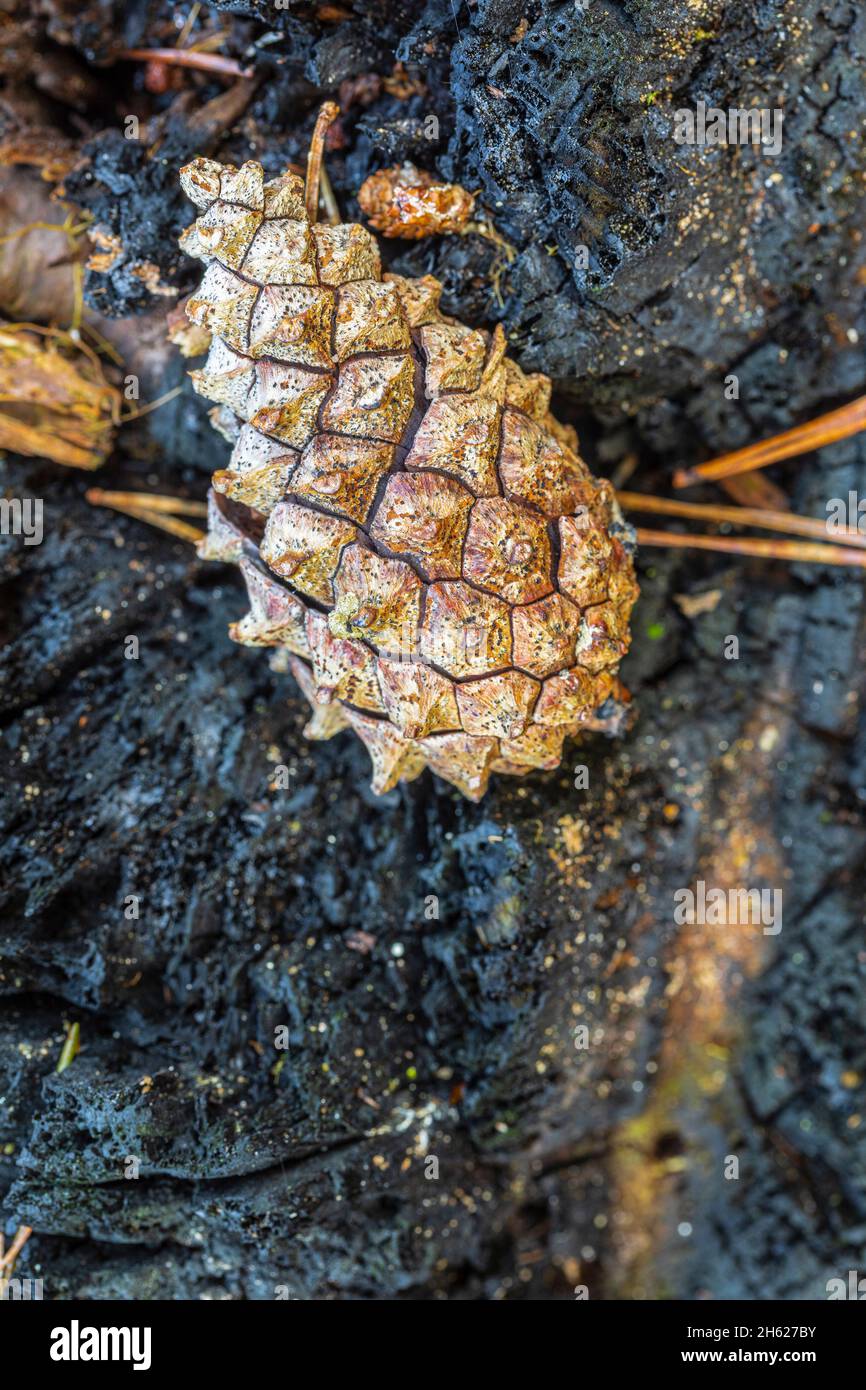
{"x": 54, "y": 399}
{"x": 408, "y": 202}
{"x": 41, "y": 148}
{"x": 37, "y": 256}
{"x": 40, "y": 279}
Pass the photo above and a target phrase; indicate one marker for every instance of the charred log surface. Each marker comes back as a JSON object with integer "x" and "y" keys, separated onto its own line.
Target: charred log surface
{"x": 508, "y": 1072}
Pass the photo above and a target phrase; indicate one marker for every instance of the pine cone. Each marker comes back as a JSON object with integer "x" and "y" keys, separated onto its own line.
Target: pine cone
{"x": 409, "y": 203}
{"x": 420, "y": 541}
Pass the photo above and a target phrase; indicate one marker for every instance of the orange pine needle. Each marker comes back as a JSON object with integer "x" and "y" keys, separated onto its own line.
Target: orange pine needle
{"x": 22, "y": 1235}
{"x": 151, "y": 405}
{"x": 755, "y": 490}
{"x": 809, "y": 551}
{"x": 186, "y": 58}
{"x": 137, "y": 505}
{"x": 146, "y": 501}
{"x": 826, "y": 429}
{"x": 761, "y": 517}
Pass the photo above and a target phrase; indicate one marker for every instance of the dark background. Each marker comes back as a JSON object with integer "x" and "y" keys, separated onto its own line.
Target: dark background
{"x": 454, "y": 1038}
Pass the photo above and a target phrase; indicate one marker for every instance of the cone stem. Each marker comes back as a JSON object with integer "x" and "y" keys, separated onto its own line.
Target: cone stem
{"x": 328, "y": 113}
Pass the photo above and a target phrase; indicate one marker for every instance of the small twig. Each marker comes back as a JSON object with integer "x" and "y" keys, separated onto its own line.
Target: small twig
{"x": 69, "y": 1051}
{"x": 328, "y": 113}
{"x": 763, "y": 518}
{"x": 186, "y": 58}
{"x": 809, "y": 551}
{"x": 826, "y": 429}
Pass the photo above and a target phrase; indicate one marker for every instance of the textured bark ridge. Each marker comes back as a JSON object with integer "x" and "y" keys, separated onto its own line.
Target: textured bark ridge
{"x": 421, "y": 543}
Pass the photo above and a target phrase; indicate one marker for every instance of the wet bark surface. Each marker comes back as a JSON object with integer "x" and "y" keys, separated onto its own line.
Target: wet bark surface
{"x": 509, "y": 1072}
